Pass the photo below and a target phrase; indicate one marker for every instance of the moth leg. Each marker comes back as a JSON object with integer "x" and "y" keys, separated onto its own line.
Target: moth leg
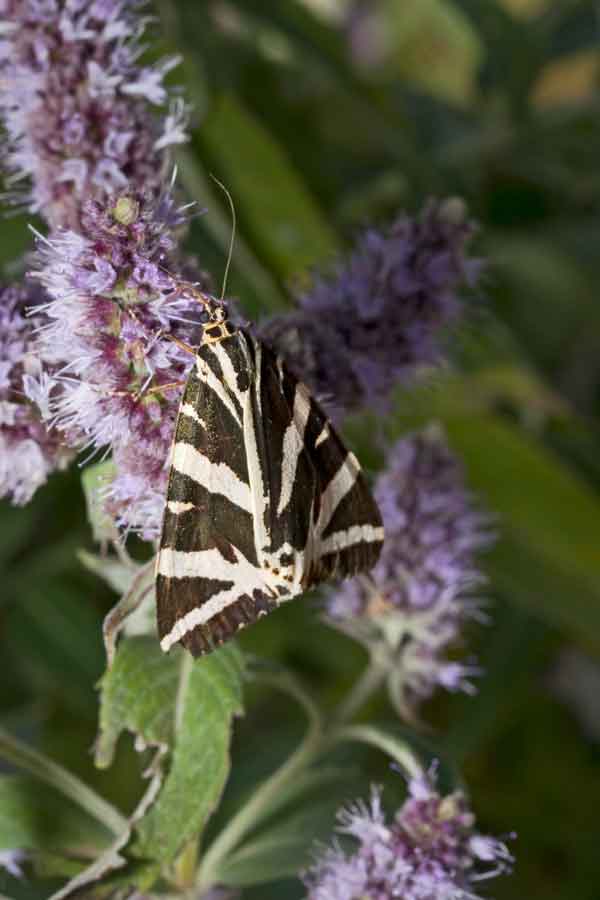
{"x": 169, "y": 386}
{"x": 181, "y": 344}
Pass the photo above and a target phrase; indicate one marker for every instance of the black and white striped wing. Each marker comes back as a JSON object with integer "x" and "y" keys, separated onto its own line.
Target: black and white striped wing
{"x": 321, "y": 511}
{"x": 263, "y": 498}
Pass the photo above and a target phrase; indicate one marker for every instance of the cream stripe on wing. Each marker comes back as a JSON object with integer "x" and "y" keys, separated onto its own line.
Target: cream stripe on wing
{"x": 257, "y": 486}
{"x": 229, "y": 373}
{"x": 208, "y": 377}
{"x": 217, "y": 478}
{"x": 342, "y": 482}
{"x": 293, "y": 444}
{"x": 188, "y": 410}
{"x": 356, "y": 534}
{"x": 208, "y": 564}
{"x": 179, "y": 506}
{"x": 323, "y": 435}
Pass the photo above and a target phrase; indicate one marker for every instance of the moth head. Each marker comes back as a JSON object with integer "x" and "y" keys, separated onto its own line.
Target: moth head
{"x": 217, "y": 331}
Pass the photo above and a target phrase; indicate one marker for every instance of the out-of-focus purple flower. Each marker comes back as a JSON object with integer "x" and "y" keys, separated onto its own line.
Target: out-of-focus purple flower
{"x": 112, "y": 300}
{"x": 421, "y": 591}
{"x": 28, "y": 451}
{"x": 377, "y": 320}
{"x": 78, "y": 105}
{"x": 11, "y": 861}
{"x": 430, "y": 851}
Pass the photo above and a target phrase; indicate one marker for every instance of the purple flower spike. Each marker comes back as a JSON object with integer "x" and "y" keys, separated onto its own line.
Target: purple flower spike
{"x": 77, "y": 105}
{"x": 430, "y": 851}
{"x": 421, "y": 591}
{"x": 112, "y": 300}
{"x": 378, "y": 318}
{"x": 28, "y": 451}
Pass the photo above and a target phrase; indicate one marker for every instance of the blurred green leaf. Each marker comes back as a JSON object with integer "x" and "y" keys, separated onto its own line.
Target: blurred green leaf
{"x": 219, "y": 224}
{"x": 115, "y": 572}
{"x": 272, "y": 201}
{"x": 282, "y": 850}
{"x": 51, "y": 773}
{"x": 547, "y": 557}
{"x": 55, "y": 638}
{"x": 515, "y": 651}
{"x": 280, "y": 847}
{"x": 433, "y": 44}
{"x": 36, "y": 817}
{"x": 209, "y": 695}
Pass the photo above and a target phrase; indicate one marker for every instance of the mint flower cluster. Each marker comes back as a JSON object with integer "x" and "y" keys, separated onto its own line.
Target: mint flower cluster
{"x": 425, "y": 584}
{"x": 113, "y": 303}
{"x": 78, "y": 108}
{"x": 429, "y": 851}
{"x": 376, "y": 321}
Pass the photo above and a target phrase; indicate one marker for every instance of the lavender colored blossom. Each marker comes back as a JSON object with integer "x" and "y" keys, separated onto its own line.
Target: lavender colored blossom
{"x": 429, "y": 851}
{"x": 112, "y": 300}
{"x": 28, "y": 451}
{"x": 11, "y": 861}
{"x": 78, "y": 106}
{"x": 421, "y": 591}
{"x": 377, "y": 320}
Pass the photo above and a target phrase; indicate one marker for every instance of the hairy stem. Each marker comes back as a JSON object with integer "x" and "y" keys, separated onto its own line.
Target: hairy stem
{"x": 245, "y": 820}
{"x": 52, "y": 773}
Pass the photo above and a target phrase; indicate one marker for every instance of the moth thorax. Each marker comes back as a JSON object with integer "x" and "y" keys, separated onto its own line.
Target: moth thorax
{"x": 217, "y": 331}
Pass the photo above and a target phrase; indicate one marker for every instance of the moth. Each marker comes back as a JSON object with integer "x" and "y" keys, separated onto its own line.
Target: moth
{"x": 263, "y": 498}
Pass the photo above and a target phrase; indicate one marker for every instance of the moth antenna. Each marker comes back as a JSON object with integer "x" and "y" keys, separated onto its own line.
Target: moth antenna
{"x": 233, "y": 228}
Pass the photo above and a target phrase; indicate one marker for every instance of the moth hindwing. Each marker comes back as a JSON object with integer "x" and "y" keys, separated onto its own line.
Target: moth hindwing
{"x": 263, "y": 499}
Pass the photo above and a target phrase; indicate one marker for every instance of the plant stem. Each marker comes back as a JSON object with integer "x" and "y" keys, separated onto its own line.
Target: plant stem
{"x": 370, "y": 680}
{"x": 185, "y": 866}
{"x": 318, "y": 739}
{"x": 246, "y": 818}
{"x": 396, "y": 749}
{"x": 52, "y": 773}
{"x": 185, "y": 671}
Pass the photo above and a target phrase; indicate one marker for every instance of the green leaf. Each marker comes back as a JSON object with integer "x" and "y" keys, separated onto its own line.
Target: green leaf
{"x": 272, "y": 200}
{"x": 547, "y": 557}
{"x": 137, "y": 695}
{"x": 94, "y": 480}
{"x": 33, "y": 816}
{"x": 209, "y": 695}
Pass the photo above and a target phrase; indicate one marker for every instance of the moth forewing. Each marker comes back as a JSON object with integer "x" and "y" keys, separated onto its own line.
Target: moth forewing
{"x": 263, "y": 498}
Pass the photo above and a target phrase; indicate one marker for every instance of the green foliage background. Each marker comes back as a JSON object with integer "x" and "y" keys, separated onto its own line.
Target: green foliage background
{"x": 496, "y": 102}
